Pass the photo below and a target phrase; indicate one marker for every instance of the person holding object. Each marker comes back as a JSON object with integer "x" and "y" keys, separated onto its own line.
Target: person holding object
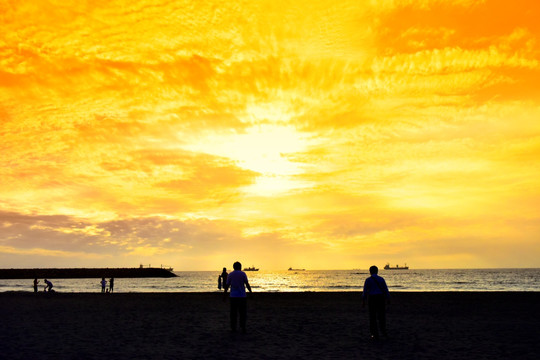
{"x": 222, "y": 279}
{"x": 238, "y": 281}
{"x": 376, "y": 292}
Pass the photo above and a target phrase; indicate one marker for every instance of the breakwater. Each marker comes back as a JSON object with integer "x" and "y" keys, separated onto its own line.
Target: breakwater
{"x": 85, "y": 273}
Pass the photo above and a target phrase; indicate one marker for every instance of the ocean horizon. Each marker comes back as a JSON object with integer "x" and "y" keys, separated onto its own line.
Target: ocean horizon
{"x": 428, "y": 280}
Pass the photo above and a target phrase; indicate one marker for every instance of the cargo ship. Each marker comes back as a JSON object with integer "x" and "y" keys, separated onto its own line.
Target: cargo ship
{"x": 252, "y": 268}
{"x": 397, "y": 267}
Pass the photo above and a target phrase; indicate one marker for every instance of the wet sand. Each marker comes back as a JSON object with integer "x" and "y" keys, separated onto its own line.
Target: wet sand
{"x": 280, "y": 326}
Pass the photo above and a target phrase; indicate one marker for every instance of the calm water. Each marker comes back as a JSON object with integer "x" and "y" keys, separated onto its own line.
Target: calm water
{"x": 320, "y": 280}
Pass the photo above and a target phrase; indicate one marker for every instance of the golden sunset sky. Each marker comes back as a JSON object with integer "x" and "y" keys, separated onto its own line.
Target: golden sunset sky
{"x": 314, "y": 134}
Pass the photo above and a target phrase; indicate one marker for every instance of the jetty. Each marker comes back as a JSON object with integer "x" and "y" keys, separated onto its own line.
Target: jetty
{"x": 86, "y": 273}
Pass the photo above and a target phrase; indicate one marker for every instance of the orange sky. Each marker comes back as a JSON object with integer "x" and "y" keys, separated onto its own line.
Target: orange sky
{"x": 313, "y": 134}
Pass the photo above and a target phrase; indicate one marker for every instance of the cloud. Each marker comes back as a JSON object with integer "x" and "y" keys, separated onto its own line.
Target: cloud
{"x": 66, "y": 233}
{"x": 133, "y": 239}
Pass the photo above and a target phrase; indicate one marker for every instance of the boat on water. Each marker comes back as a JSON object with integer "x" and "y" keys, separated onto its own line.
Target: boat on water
{"x": 252, "y": 268}
{"x": 291, "y": 269}
{"x": 397, "y": 267}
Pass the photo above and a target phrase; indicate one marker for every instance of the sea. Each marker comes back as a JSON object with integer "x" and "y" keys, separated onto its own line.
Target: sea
{"x": 308, "y": 281}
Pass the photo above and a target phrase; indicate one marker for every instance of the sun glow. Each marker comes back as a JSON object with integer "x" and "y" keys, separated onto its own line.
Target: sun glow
{"x": 261, "y": 148}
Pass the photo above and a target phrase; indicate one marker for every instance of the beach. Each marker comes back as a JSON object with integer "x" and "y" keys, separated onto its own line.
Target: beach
{"x": 309, "y": 325}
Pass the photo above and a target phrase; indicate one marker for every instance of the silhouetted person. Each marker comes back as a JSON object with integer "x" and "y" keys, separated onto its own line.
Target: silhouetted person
{"x": 222, "y": 279}
{"x": 48, "y": 285}
{"x": 236, "y": 280}
{"x": 103, "y": 285}
{"x": 36, "y": 282}
{"x": 111, "y": 285}
{"x": 376, "y": 292}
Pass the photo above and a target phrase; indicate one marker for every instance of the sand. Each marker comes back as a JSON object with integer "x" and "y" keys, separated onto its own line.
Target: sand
{"x": 280, "y": 326}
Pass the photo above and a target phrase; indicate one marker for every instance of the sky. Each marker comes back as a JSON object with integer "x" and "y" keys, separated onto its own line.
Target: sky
{"x": 306, "y": 134}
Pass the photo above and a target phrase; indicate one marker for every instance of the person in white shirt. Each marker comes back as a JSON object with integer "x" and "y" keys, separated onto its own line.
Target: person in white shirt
{"x": 237, "y": 281}
{"x": 376, "y": 292}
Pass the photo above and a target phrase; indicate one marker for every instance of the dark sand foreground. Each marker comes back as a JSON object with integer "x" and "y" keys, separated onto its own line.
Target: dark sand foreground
{"x": 280, "y": 326}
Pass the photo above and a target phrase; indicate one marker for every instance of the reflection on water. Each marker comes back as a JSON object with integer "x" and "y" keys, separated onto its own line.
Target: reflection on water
{"x": 320, "y": 280}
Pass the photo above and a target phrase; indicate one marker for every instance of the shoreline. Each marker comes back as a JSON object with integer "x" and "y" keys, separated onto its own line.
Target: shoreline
{"x": 307, "y": 292}
{"x": 312, "y": 325}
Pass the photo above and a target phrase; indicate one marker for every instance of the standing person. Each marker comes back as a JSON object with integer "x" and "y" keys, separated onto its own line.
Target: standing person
{"x": 376, "y": 292}
{"x": 36, "y": 282}
{"x": 222, "y": 279}
{"x": 103, "y": 285}
{"x": 48, "y": 285}
{"x": 111, "y": 285}
{"x": 236, "y": 281}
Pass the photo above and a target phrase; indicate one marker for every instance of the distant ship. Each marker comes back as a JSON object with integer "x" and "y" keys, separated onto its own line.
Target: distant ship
{"x": 291, "y": 269}
{"x": 253, "y": 268}
{"x": 397, "y": 267}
